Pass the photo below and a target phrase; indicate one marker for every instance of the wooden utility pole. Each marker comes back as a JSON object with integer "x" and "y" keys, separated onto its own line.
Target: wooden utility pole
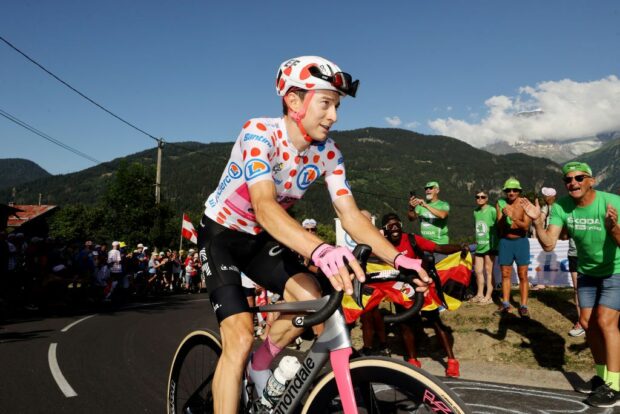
{"x": 160, "y": 146}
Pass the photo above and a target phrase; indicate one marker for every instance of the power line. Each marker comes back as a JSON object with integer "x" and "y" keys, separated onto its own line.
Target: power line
{"x": 47, "y": 137}
{"x": 76, "y": 91}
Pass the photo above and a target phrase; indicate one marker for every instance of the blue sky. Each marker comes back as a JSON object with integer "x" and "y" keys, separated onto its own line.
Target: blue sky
{"x": 196, "y": 70}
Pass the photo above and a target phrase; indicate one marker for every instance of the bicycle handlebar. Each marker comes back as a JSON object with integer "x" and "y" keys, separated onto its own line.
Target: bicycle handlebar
{"x": 362, "y": 253}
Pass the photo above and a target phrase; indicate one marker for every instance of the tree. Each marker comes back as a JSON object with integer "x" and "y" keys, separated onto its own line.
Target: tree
{"x": 130, "y": 211}
{"x": 78, "y": 222}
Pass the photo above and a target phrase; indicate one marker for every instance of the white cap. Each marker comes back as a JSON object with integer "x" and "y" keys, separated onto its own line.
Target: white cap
{"x": 140, "y": 246}
{"x": 308, "y": 223}
{"x": 548, "y": 191}
{"x": 115, "y": 243}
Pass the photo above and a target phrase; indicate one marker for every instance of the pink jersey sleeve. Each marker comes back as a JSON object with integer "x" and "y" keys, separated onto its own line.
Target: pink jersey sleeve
{"x": 335, "y": 173}
{"x": 258, "y": 150}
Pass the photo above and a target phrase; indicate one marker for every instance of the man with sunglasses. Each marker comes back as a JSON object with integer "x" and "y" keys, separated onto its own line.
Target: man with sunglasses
{"x": 514, "y": 246}
{"x": 246, "y": 227}
{"x": 591, "y": 219}
{"x": 432, "y": 213}
{"x": 414, "y": 246}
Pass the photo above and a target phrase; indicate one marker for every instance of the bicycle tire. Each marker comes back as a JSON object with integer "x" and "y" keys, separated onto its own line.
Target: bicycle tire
{"x": 191, "y": 373}
{"x": 384, "y": 385}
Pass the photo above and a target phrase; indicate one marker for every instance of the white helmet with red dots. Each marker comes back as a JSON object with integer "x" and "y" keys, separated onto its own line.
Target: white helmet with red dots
{"x": 314, "y": 73}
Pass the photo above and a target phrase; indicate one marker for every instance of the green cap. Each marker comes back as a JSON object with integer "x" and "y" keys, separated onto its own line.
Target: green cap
{"x": 432, "y": 184}
{"x": 512, "y": 183}
{"x": 577, "y": 166}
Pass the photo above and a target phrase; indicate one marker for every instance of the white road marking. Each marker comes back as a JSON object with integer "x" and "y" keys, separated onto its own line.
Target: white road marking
{"x": 71, "y": 325}
{"x": 60, "y": 379}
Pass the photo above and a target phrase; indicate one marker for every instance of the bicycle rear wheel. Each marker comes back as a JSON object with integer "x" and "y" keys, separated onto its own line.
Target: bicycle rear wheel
{"x": 384, "y": 385}
{"x": 191, "y": 374}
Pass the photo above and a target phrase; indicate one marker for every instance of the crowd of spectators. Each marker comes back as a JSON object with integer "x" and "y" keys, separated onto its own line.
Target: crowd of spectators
{"x": 48, "y": 274}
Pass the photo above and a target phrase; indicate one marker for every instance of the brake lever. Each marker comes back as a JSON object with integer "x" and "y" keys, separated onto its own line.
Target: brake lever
{"x": 363, "y": 253}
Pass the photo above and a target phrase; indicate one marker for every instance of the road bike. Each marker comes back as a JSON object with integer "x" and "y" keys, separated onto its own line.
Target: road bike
{"x": 362, "y": 385}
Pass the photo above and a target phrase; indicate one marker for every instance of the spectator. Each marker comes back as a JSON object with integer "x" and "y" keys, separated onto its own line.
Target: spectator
{"x": 115, "y": 264}
{"x": 485, "y": 218}
{"x": 549, "y": 196}
{"x": 432, "y": 213}
{"x": 309, "y": 224}
{"x": 415, "y": 246}
{"x": 571, "y": 255}
{"x": 102, "y": 281}
{"x": 514, "y": 246}
{"x": 372, "y": 324}
{"x": 591, "y": 219}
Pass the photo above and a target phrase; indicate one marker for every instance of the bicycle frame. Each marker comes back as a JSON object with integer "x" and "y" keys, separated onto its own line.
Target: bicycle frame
{"x": 334, "y": 342}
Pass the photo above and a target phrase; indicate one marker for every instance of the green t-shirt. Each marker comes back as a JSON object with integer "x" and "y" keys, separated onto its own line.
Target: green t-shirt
{"x": 597, "y": 251}
{"x": 432, "y": 227}
{"x": 486, "y": 230}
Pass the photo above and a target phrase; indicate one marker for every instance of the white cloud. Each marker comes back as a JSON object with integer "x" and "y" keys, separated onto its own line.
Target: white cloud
{"x": 569, "y": 110}
{"x": 393, "y": 120}
{"x": 412, "y": 125}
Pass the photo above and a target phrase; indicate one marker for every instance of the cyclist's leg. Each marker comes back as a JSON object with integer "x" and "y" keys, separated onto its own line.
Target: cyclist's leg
{"x": 230, "y": 305}
{"x": 237, "y": 339}
{"x": 278, "y": 269}
{"x": 302, "y": 286}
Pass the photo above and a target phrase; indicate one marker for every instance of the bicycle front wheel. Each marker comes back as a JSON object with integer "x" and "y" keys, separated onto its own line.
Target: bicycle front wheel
{"x": 384, "y": 385}
{"x": 191, "y": 374}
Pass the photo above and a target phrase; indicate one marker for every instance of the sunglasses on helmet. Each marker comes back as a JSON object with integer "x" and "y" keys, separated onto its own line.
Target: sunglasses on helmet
{"x": 339, "y": 80}
{"x": 578, "y": 178}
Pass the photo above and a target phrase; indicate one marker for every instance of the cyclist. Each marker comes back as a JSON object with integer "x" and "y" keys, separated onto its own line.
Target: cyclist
{"x": 246, "y": 228}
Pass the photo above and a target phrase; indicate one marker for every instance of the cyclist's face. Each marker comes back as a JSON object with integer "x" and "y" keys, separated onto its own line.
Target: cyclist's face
{"x": 321, "y": 114}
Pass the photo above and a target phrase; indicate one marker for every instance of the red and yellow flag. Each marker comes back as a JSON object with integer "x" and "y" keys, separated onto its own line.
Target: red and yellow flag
{"x": 454, "y": 273}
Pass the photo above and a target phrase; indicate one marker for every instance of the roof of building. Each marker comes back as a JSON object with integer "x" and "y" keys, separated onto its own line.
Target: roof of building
{"x": 27, "y": 213}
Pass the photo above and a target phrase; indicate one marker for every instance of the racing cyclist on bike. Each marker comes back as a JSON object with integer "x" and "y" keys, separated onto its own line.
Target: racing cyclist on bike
{"x": 246, "y": 228}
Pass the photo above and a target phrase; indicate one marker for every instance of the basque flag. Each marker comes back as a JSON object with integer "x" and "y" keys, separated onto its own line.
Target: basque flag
{"x": 188, "y": 231}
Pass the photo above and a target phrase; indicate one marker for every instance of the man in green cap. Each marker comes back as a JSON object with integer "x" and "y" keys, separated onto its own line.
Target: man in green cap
{"x": 591, "y": 219}
{"x": 432, "y": 213}
{"x": 514, "y": 246}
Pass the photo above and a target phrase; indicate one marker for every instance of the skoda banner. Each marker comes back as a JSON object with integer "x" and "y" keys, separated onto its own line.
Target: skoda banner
{"x": 546, "y": 268}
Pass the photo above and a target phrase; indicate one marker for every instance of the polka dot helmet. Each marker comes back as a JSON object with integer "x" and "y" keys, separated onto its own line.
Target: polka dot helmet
{"x": 314, "y": 73}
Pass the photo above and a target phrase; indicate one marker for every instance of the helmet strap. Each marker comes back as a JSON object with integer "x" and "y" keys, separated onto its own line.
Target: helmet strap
{"x": 297, "y": 116}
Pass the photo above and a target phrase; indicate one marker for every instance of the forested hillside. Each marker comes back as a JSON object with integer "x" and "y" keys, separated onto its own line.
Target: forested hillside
{"x": 15, "y": 171}
{"x": 383, "y": 165}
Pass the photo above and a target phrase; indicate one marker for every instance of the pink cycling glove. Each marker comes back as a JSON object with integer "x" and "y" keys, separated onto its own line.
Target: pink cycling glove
{"x": 330, "y": 258}
{"x": 407, "y": 262}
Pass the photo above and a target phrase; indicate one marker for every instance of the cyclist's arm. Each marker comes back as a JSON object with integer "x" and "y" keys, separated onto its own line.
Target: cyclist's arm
{"x": 277, "y": 222}
{"x": 362, "y": 230}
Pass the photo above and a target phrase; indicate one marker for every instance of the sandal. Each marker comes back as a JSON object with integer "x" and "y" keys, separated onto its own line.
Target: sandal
{"x": 476, "y": 299}
{"x": 485, "y": 301}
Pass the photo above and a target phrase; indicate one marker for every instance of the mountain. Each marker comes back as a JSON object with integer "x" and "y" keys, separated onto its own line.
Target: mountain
{"x": 605, "y": 165}
{"x": 557, "y": 150}
{"x": 383, "y": 165}
{"x": 16, "y": 171}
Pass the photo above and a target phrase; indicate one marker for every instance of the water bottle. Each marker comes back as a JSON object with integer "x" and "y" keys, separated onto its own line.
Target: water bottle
{"x": 276, "y": 384}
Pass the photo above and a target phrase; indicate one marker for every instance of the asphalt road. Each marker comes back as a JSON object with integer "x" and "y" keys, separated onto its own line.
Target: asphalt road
{"x": 118, "y": 362}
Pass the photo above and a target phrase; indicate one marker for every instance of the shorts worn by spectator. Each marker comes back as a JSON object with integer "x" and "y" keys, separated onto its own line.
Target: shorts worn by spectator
{"x": 514, "y": 246}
